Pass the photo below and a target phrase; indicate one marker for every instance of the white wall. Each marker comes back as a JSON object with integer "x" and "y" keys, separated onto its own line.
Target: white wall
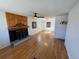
{"x": 4, "y": 36}
{"x": 40, "y": 25}
{"x": 72, "y": 35}
{"x": 60, "y": 29}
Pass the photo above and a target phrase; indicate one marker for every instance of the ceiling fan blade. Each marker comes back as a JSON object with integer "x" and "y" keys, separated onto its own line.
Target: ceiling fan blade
{"x": 40, "y": 16}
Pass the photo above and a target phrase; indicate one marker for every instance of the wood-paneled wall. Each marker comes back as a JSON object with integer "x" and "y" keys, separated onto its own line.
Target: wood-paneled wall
{"x": 13, "y": 19}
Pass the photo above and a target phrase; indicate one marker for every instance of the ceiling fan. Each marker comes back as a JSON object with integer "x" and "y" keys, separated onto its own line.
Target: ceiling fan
{"x": 36, "y": 16}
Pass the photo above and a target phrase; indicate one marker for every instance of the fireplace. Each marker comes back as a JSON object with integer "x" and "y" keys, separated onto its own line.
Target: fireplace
{"x": 18, "y": 32}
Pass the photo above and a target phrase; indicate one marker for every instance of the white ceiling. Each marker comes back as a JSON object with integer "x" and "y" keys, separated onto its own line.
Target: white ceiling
{"x": 43, "y": 7}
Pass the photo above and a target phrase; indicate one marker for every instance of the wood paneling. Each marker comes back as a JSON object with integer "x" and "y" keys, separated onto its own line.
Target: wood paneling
{"x": 41, "y": 46}
{"x": 13, "y": 19}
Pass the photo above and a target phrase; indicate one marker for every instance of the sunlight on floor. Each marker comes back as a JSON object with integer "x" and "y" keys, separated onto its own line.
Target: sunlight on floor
{"x": 47, "y": 31}
{"x": 46, "y": 44}
{"x": 39, "y": 39}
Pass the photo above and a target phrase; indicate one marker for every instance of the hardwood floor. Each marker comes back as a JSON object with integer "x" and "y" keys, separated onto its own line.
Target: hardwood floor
{"x": 41, "y": 46}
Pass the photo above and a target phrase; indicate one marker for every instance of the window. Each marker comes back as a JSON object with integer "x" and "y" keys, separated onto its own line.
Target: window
{"x": 48, "y": 24}
{"x": 34, "y": 25}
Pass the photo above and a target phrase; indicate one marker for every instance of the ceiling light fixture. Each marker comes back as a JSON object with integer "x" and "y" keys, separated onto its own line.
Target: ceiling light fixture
{"x": 35, "y": 16}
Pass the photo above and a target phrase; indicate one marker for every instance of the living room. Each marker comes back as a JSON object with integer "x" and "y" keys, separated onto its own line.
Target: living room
{"x": 33, "y": 29}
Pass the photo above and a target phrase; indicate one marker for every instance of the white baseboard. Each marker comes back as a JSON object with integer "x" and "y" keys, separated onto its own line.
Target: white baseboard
{"x": 67, "y": 50}
{"x": 5, "y": 45}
